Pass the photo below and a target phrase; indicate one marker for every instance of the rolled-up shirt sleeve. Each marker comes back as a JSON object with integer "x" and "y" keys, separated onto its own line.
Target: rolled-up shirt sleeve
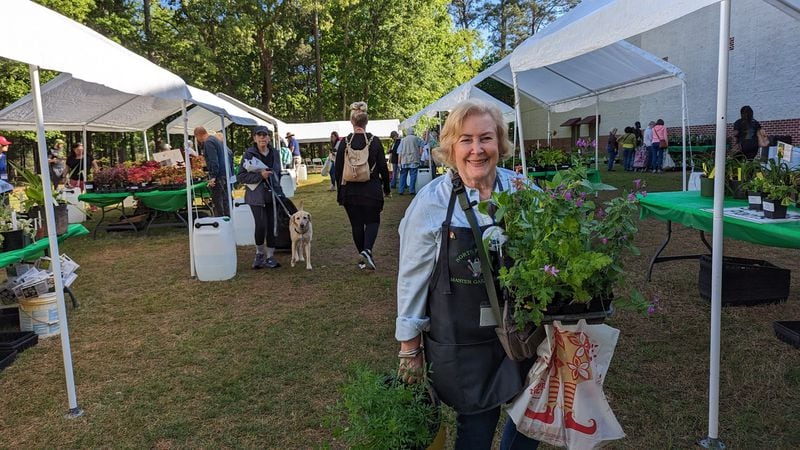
{"x": 419, "y": 238}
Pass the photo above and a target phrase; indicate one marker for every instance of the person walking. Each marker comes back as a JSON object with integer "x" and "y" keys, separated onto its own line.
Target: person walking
{"x": 215, "y": 162}
{"x": 294, "y": 147}
{"x": 260, "y": 172}
{"x": 628, "y": 143}
{"x": 409, "y": 154}
{"x": 56, "y": 162}
{"x": 659, "y": 146}
{"x": 335, "y": 143}
{"x": 395, "y": 136}
{"x": 74, "y": 166}
{"x": 612, "y": 147}
{"x": 647, "y": 141}
{"x": 439, "y": 300}
{"x": 363, "y": 201}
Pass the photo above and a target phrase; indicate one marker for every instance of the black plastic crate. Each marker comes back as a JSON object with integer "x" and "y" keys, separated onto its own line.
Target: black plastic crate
{"x": 746, "y": 282}
{"x": 18, "y": 340}
{"x": 788, "y": 331}
{"x": 6, "y": 358}
{"x": 9, "y": 318}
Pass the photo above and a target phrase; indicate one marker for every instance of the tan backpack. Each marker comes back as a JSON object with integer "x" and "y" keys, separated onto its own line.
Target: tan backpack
{"x": 356, "y": 163}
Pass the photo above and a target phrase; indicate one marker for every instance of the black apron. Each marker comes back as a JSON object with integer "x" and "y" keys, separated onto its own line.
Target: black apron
{"x": 469, "y": 369}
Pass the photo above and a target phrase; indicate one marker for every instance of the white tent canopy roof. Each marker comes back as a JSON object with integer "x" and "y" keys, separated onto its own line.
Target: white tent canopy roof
{"x": 36, "y": 35}
{"x": 321, "y": 131}
{"x": 207, "y": 113}
{"x": 70, "y": 104}
{"x": 279, "y": 124}
{"x": 451, "y": 99}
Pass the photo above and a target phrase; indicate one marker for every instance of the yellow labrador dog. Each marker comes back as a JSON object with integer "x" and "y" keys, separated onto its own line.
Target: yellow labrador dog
{"x": 301, "y": 232}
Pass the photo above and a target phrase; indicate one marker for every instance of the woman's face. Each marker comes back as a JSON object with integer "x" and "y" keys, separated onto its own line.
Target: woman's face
{"x": 476, "y": 150}
{"x": 261, "y": 139}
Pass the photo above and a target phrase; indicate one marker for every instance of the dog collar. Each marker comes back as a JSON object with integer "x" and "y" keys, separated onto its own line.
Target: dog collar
{"x": 299, "y": 232}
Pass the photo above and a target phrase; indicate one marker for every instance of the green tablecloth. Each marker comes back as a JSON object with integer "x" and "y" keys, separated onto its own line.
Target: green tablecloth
{"x": 594, "y": 175}
{"x": 169, "y": 201}
{"x": 685, "y": 208}
{"x": 37, "y": 249}
{"x": 695, "y": 149}
{"x": 103, "y": 199}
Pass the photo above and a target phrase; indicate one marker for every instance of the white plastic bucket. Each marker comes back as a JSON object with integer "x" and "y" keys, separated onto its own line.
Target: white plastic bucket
{"x": 244, "y": 226}
{"x": 214, "y": 249}
{"x": 423, "y": 177}
{"x": 302, "y": 173}
{"x": 287, "y": 183}
{"x": 76, "y": 210}
{"x": 40, "y": 315}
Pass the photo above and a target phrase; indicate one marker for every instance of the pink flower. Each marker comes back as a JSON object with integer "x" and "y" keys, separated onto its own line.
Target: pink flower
{"x": 637, "y": 184}
{"x": 550, "y": 270}
{"x": 579, "y": 202}
{"x": 604, "y": 241}
{"x": 651, "y": 310}
{"x": 568, "y": 195}
{"x": 644, "y": 193}
{"x": 631, "y": 197}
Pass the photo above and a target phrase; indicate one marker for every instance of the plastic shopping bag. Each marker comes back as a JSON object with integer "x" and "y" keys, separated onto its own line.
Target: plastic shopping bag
{"x": 326, "y": 168}
{"x": 253, "y": 165}
{"x": 640, "y": 158}
{"x": 668, "y": 162}
{"x": 564, "y": 404}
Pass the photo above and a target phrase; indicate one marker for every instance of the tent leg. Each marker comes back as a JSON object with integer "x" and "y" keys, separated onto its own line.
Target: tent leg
{"x": 66, "y": 351}
{"x": 228, "y": 190}
{"x": 189, "y": 191}
{"x": 519, "y": 125}
{"x": 717, "y": 229}
{"x": 683, "y": 133}
{"x": 597, "y": 133}
{"x": 146, "y": 146}
{"x": 85, "y": 161}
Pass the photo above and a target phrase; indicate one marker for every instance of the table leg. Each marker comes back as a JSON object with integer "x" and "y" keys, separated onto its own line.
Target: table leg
{"x": 659, "y": 259}
{"x": 102, "y": 216}
{"x": 74, "y": 299}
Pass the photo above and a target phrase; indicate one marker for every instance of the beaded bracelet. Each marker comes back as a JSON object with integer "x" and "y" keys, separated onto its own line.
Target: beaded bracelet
{"x": 409, "y": 353}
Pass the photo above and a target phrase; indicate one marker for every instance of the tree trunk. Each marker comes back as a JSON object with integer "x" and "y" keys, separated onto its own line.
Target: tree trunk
{"x": 318, "y": 63}
{"x": 148, "y": 32}
{"x": 266, "y": 61}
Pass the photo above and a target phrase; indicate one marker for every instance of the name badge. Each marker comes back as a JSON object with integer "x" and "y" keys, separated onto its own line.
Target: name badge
{"x": 487, "y": 316}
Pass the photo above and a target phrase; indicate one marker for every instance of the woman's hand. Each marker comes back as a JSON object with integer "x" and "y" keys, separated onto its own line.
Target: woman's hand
{"x": 265, "y": 174}
{"x": 410, "y": 369}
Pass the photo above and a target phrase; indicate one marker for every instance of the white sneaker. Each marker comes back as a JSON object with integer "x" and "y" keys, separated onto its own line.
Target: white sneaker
{"x": 366, "y": 259}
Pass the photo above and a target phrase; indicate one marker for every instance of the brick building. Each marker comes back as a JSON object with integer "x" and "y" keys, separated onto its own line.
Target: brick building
{"x": 763, "y": 74}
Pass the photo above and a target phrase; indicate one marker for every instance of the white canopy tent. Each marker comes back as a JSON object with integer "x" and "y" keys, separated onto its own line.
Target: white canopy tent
{"x": 207, "y": 114}
{"x": 585, "y": 29}
{"x": 53, "y": 47}
{"x": 321, "y": 131}
{"x": 278, "y": 126}
{"x": 452, "y": 98}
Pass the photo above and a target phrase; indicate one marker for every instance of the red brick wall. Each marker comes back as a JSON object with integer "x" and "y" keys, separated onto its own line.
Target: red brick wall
{"x": 781, "y": 127}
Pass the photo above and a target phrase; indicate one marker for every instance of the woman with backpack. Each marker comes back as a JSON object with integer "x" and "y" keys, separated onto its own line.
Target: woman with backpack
{"x": 362, "y": 179}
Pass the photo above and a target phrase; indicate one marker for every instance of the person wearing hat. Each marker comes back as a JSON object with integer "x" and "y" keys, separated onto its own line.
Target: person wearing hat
{"x": 56, "y": 162}
{"x": 294, "y": 146}
{"x": 4, "y": 143}
{"x": 263, "y": 186}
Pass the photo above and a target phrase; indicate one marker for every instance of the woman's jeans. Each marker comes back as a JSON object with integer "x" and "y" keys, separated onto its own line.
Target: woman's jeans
{"x": 627, "y": 158}
{"x": 612, "y": 155}
{"x": 476, "y": 431}
{"x": 655, "y": 157}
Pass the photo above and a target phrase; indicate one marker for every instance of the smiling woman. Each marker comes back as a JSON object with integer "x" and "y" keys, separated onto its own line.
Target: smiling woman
{"x": 440, "y": 291}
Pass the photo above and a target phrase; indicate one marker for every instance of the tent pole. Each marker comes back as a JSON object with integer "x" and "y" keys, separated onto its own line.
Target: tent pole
{"x": 519, "y": 124}
{"x": 66, "y": 351}
{"x": 189, "y": 192}
{"x": 168, "y": 137}
{"x": 597, "y": 133}
{"x": 712, "y": 440}
{"x": 146, "y": 146}
{"x": 227, "y": 169}
{"x": 85, "y": 161}
{"x": 683, "y": 132}
{"x": 549, "y": 133}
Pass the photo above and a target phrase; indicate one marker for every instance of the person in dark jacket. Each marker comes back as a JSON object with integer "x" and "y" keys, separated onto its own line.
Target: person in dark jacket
{"x": 334, "y": 148}
{"x": 261, "y": 188}
{"x": 216, "y": 158}
{"x": 746, "y": 129}
{"x": 363, "y": 201}
{"x": 393, "y": 158}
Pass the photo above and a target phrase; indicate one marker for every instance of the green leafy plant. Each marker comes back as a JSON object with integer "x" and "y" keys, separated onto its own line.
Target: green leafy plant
{"x": 783, "y": 193}
{"x": 564, "y": 245}
{"x": 34, "y": 189}
{"x": 379, "y": 411}
{"x": 549, "y": 157}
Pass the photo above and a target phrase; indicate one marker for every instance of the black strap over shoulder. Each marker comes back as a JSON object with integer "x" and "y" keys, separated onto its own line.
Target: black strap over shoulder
{"x": 486, "y": 267}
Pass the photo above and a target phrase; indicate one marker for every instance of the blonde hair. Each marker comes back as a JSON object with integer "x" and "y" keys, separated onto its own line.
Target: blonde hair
{"x": 455, "y": 122}
{"x": 358, "y": 114}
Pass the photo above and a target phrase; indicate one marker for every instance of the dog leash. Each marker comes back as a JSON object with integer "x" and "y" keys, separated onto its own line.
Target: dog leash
{"x": 276, "y": 199}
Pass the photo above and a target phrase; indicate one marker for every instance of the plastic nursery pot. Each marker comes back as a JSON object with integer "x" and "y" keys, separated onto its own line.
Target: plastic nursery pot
{"x": 706, "y": 186}
{"x": 14, "y": 240}
{"x": 773, "y": 209}
{"x": 754, "y": 201}
{"x": 735, "y": 190}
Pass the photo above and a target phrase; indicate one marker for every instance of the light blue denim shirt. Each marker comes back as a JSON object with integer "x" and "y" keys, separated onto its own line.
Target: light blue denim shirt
{"x": 420, "y": 237}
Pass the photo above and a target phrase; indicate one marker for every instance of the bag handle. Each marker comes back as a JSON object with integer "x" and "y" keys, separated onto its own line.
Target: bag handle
{"x": 486, "y": 267}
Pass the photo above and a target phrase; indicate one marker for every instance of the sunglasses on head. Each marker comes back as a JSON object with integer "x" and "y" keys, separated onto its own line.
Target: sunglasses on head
{"x": 261, "y": 133}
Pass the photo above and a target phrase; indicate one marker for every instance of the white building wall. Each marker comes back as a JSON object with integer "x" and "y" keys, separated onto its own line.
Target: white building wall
{"x": 764, "y": 72}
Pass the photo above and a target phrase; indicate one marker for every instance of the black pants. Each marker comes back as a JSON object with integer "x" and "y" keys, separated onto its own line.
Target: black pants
{"x": 264, "y": 217}
{"x": 219, "y": 200}
{"x": 364, "y": 221}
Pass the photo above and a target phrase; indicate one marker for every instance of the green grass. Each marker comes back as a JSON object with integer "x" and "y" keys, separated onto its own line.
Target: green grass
{"x": 167, "y": 362}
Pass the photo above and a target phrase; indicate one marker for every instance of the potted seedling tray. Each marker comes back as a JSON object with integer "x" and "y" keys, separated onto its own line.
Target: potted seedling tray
{"x": 595, "y": 312}
{"x": 788, "y": 331}
{"x": 6, "y": 358}
{"x": 17, "y": 340}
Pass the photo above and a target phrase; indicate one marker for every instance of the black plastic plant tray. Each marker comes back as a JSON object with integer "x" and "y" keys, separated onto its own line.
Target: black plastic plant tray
{"x": 591, "y": 317}
{"x": 6, "y": 358}
{"x": 18, "y": 340}
{"x": 746, "y": 282}
{"x": 788, "y": 331}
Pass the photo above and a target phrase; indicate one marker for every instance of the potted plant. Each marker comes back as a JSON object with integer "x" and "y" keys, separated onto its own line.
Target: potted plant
{"x": 15, "y": 232}
{"x": 564, "y": 250}
{"x": 380, "y": 411}
{"x": 778, "y": 189}
{"x": 34, "y": 203}
{"x": 706, "y": 162}
{"x": 549, "y": 158}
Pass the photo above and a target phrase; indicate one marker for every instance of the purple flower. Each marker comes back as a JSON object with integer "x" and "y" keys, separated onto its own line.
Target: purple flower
{"x": 644, "y": 193}
{"x": 604, "y": 241}
{"x": 579, "y": 202}
{"x": 631, "y": 197}
{"x": 550, "y": 270}
{"x": 637, "y": 184}
{"x": 651, "y": 310}
{"x": 600, "y": 213}
{"x": 568, "y": 195}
